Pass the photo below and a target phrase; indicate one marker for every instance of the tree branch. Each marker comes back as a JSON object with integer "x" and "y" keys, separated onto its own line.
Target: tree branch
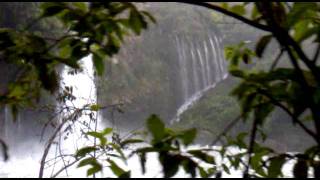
{"x": 251, "y": 145}
{"x": 226, "y": 129}
{"x": 316, "y": 55}
{"x": 294, "y": 118}
{"x": 46, "y": 151}
{"x": 64, "y": 168}
{"x": 275, "y": 62}
{"x": 231, "y": 14}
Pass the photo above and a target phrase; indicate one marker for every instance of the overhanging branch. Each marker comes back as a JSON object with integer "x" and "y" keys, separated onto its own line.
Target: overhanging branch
{"x": 229, "y": 13}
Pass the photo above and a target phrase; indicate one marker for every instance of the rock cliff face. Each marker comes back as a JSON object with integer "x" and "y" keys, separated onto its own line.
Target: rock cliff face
{"x": 164, "y": 68}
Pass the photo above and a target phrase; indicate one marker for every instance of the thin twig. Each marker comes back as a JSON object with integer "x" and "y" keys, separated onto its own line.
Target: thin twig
{"x": 48, "y": 146}
{"x": 62, "y": 169}
{"x": 316, "y": 55}
{"x": 275, "y": 62}
{"x": 251, "y": 145}
{"x": 226, "y": 129}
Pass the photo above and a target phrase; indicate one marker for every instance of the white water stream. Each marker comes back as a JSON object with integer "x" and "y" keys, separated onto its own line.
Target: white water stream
{"x": 84, "y": 90}
{"x": 201, "y": 67}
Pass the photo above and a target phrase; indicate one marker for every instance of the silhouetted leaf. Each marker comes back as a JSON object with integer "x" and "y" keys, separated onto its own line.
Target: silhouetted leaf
{"x": 119, "y": 150}
{"x": 203, "y": 156}
{"x": 130, "y": 141}
{"x": 188, "y": 136}
{"x": 116, "y": 169}
{"x": 137, "y": 22}
{"x": 52, "y": 8}
{"x": 316, "y": 169}
{"x": 96, "y": 167}
{"x": 156, "y": 127}
{"x": 149, "y": 16}
{"x": 170, "y": 164}
{"x": 276, "y": 163}
{"x": 300, "y": 169}
{"x": 262, "y": 44}
{"x": 84, "y": 151}
{"x": 87, "y": 161}
{"x": 203, "y": 173}
{"x": 225, "y": 169}
{"x": 98, "y": 135}
{"x": 190, "y": 167}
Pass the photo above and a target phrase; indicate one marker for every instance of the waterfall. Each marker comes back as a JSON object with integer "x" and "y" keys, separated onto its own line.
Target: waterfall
{"x": 85, "y": 92}
{"x": 208, "y": 67}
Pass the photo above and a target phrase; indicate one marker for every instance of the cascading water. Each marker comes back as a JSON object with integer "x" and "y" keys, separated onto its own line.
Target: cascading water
{"x": 67, "y": 143}
{"x": 201, "y": 65}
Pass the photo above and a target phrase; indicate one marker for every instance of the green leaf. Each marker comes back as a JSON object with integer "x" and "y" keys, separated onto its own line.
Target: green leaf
{"x": 98, "y": 64}
{"x": 238, "y": 9}
{"x": 16, "y": 91}
{"x": 203, "y": 156}
{"x": 146, "y": 150}
{"x": 137, "y": 22}
{"x": 51, "y": 9}
{"x": 262, "y": 44}
{"x": 87, "y": 161}
{"x": 300, "y": 11}
{"x": 65, "y": 51}
{"x": 81, "y": 5}
{"x": 116, "y": 169}
{"x": 130, "y": 141}
{"x": 255, "y": 13}
{"x": 241, "y": 141}
{"x": 302, "y": 31}
{"x": 149, "y": 16}
{"x": 96, "y": 167}
{"x": 170, "y": 164}
{"x": 225, "y": 169}
{"x": 156, "y": 127}
{"x": 203, "y": 173}
{"x": 118, "y": 149}
{"x": 276, "y": 163}
{"x": 126, "y": 175}
{"x": 190, "y": 167}
{"x": 95, "y": 107}
{"x": 106, "y": 131}
{"x": 98, "y": 135}
{"x": 256, "y": 163}
{"x": 84, "y": 151}
{"x": 188, "y": 136}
